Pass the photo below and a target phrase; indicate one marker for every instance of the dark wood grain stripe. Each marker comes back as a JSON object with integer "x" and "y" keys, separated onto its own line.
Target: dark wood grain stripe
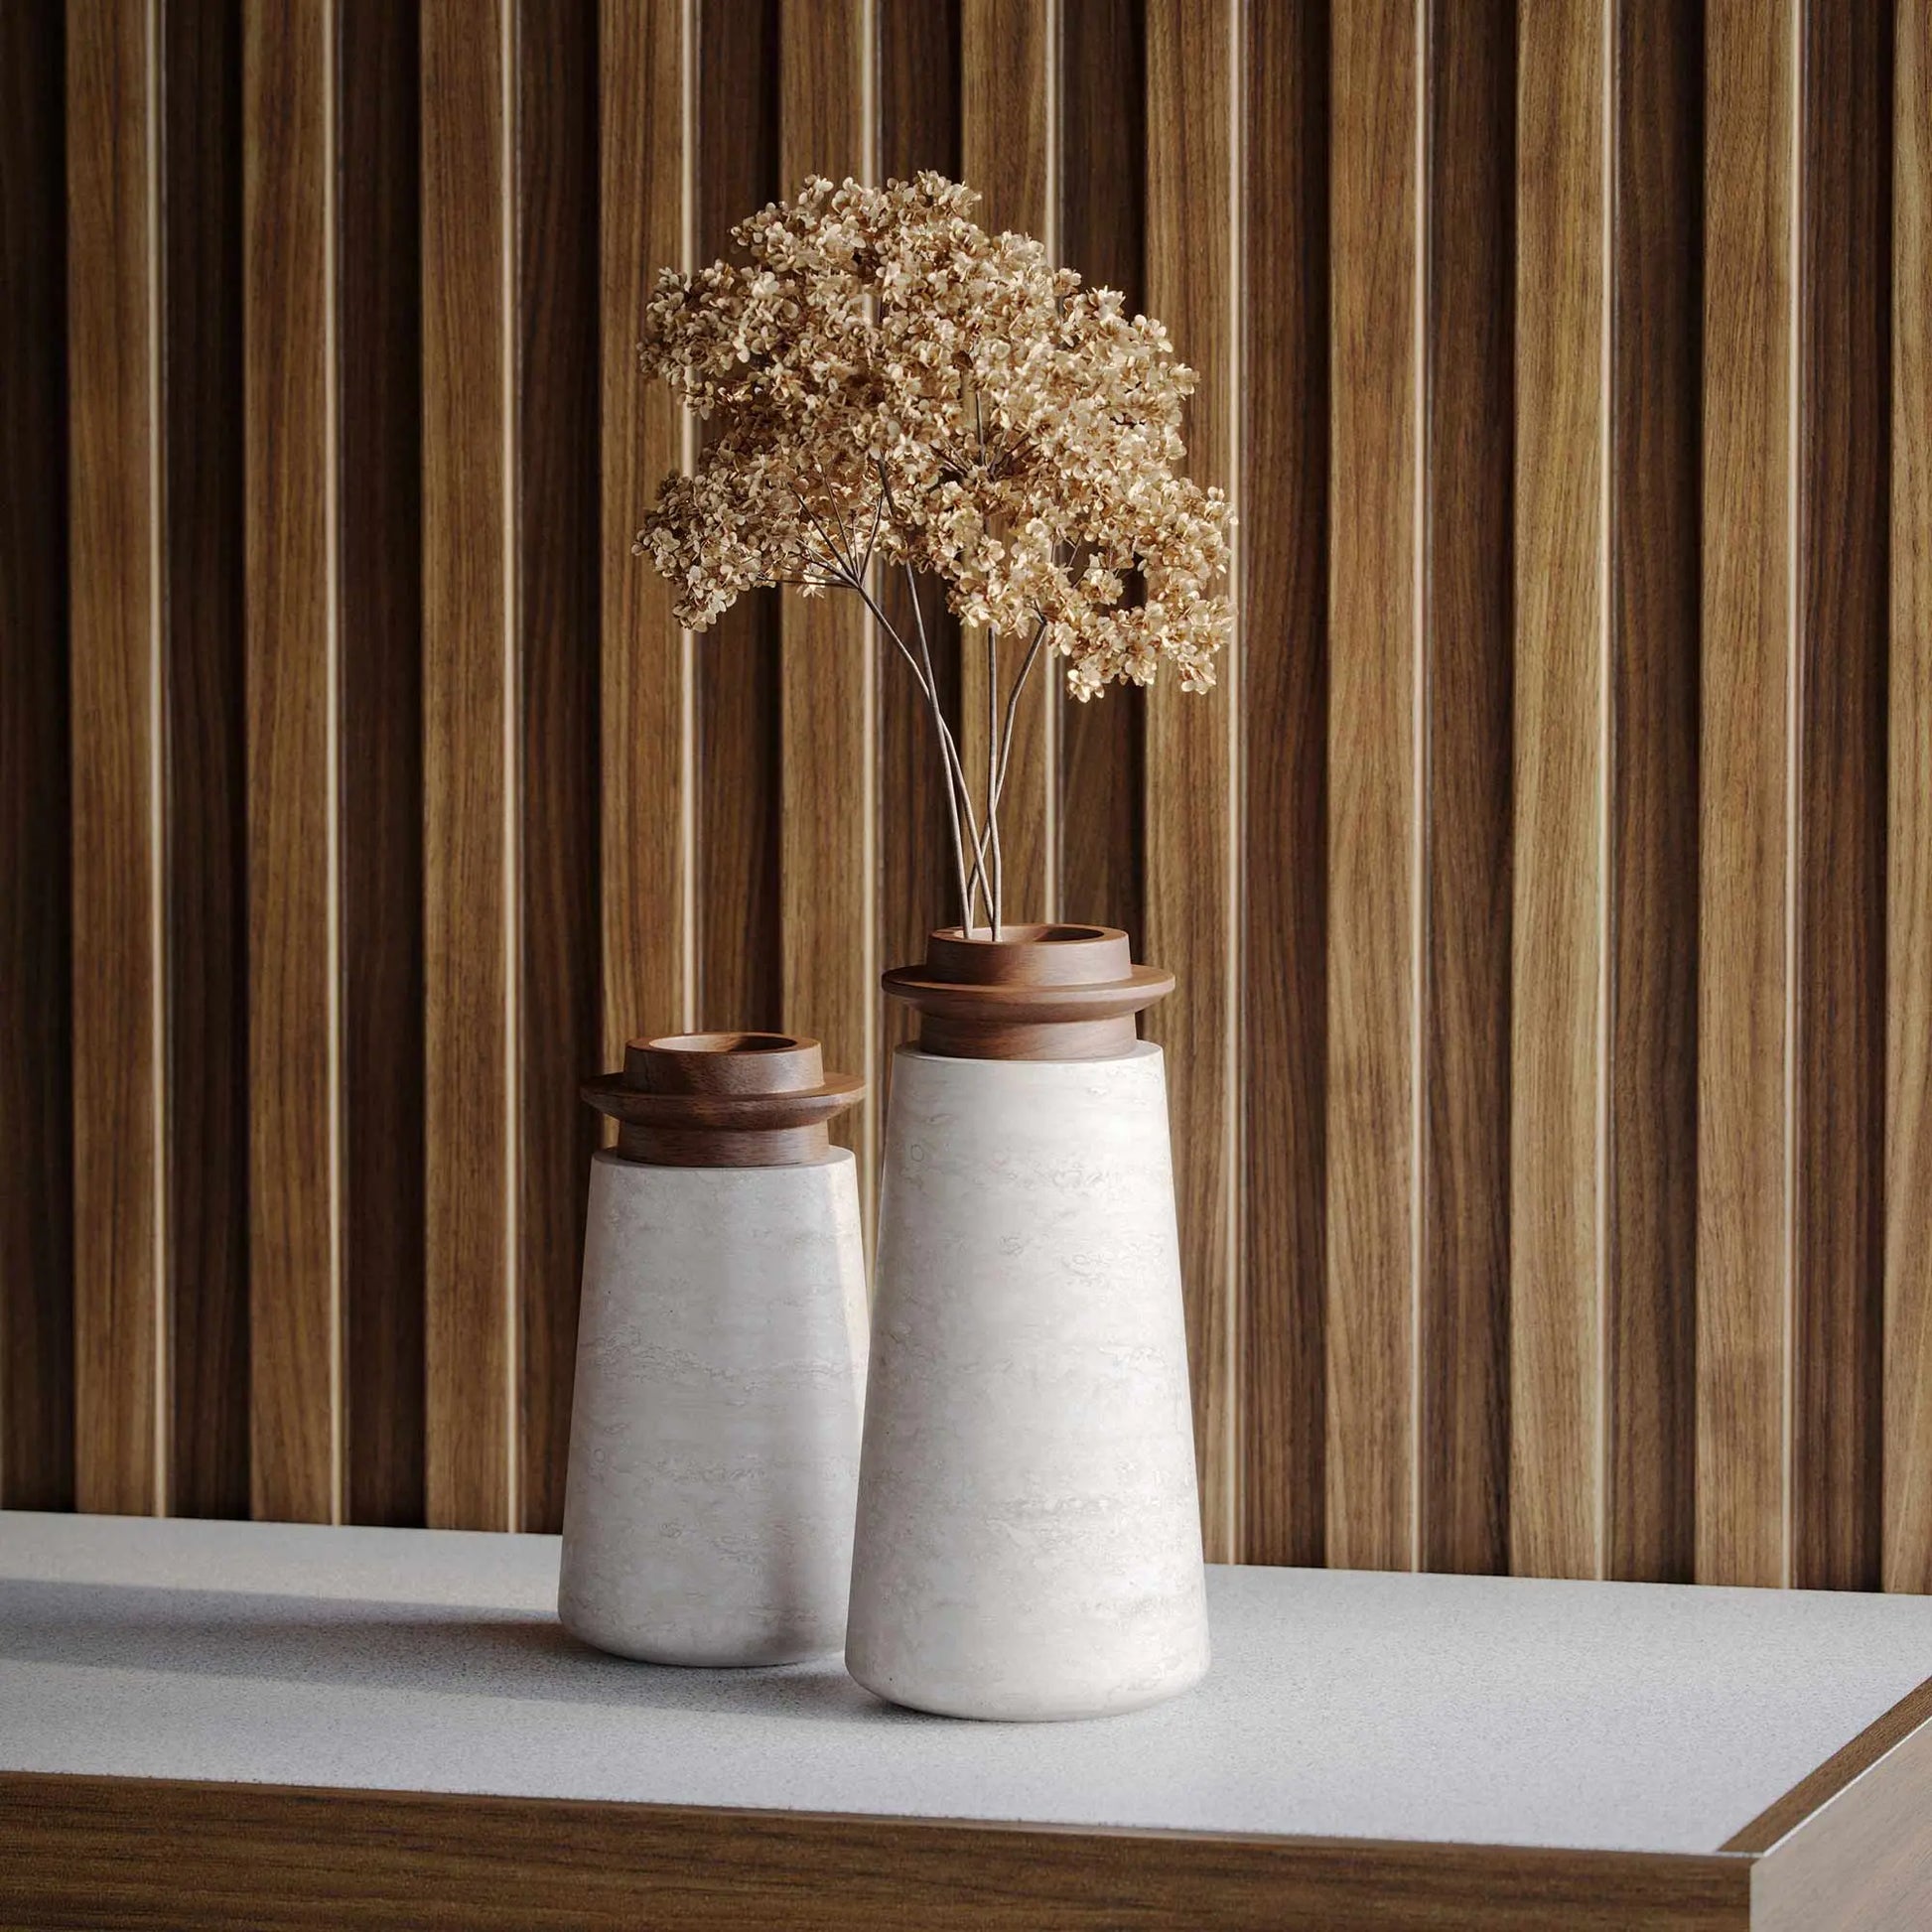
{"x": 1102, "y": 233}
{"x": 119, "y": 1047}
{"x": 1006, "y": 124}
{"x": 1743, "y": 1259}
{"x": 468, "y": 708}
{"x": 294, "y": 1257}
{"x": 1193, "y": 739}
{"x": 918, "y": 91}
{"x": 738, "y": 691}
{"x": 1468, "y": 623}
{"x": 1373, "y": 801}
{"x": 1655, "y": 535}
{"x": 1909, "y": 895}
{"x": 261, "y": 1856}
{"x": 1285, "y": 790}
{"x": 559, "y": 584}
{"x": 381, "y": 565}
{"x": 36, "y": 932}
{"x": 1844, "y": 582}
{"x": 206, "y": 818}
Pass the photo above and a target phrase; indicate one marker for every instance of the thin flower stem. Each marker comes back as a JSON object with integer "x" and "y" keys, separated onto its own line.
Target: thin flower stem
{"x": 878, "y": 511}
{"x": 956, "y": 771}
{"x": 993, "y": 773}
{"x": 959, "y": 795}
{"x": 955, "y": 766}
{"x": 825, "y": 536}
{"x": 952, "y": 802}
{"x": 1012, "y": 703}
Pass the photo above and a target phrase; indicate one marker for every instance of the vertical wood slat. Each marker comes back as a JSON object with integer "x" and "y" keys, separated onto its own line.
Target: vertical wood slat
{"x": 381, "y": 645}
{"x": 558, "y": 583}
{"x": 1193, "y": 739}
{"x": 645, "y": 689}
{"x": 469, "y": 681}
{"x": 119, "y": 1046}
{"x": 1463, "y": 1332}
{"x": 207, "y": 806}
{"x": 1558, "y": 863}
{"x": 1838, "y": 1091}
{"x": 737, "y": 695}
{"x": 36, "y": 1104}
{"x": 1284, "y": 492}
{"x": 292, "y": 1036}
{"x": 1100, "y": 745}
{"x": 1650, "y": 1328}
{"x": 1005, "y": 137}
{"x": 1743, "y": 1258}
{"x": 1373, "y": 793}
{"x": 1907, "y": 1479}
{"x": 918, "y": 91}
{"x": 828, "y": 780}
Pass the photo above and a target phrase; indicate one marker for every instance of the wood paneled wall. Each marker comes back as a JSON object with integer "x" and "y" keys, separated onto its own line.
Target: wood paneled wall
{"x": 1550, "y": 882}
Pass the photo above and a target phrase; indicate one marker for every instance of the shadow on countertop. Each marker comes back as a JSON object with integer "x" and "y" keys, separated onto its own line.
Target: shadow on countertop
{"x": 453, "y": 1651}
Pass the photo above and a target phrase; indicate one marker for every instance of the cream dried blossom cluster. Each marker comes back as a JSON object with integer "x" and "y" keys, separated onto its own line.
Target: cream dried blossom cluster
{"x": 890, "y": 386}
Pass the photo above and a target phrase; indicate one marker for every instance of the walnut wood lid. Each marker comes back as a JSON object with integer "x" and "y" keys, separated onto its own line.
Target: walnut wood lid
{"x": 723, "y": 1100}
{"x": 1037, "y": 993}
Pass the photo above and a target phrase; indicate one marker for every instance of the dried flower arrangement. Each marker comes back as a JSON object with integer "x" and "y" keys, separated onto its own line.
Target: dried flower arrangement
{"x": 892, "y": 386}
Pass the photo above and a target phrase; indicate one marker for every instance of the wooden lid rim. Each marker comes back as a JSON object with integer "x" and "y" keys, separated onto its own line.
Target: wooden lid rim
{"x": 1078, "y": 1000}
{"x": 1047, "y": 992}
{"x": 736, "y": 1112}
{"x": 723, "y": 1099}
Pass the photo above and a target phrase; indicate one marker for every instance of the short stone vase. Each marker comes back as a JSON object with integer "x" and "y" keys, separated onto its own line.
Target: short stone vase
{"x": 1029, "y": 1537}
{"x": 721, "y": 1359}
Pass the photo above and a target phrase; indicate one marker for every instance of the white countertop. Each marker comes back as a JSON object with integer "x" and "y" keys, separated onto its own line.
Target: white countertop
{"x": 1340, "y": 1704}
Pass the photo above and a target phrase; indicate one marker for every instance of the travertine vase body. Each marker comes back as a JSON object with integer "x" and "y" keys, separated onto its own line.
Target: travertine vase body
{"x": 714, "y": 1449}
{"x": 1029, "y": 1534}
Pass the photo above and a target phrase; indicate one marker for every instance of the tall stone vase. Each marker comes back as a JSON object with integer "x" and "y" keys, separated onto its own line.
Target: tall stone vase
{"x": 1029, "y": 1535}
{"x": 721, "y": 1359}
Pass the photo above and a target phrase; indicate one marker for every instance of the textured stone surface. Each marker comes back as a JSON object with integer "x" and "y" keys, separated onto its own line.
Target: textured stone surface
{"x": 1028, "y": 1542}
{"x": 714, "y": 1437}
{"x": 1489, "y": 1710}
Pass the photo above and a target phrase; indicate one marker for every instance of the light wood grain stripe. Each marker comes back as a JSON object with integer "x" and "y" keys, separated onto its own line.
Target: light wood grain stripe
{"x": 828, "y": 751}
{"x": 1191, "y": 742}
{"x": 1743, "y": 965}
{"x": 1006, "y": 153}
{"x": 1909, "y": 892}
{"x": 1559, "y": 877}
{"x": 119, "y": 995}
{"x": 468, "y": 686}
{"x": 1374, "y": 802}
{"x": 288, "y": 118}
{"x": 646, "y": 64}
